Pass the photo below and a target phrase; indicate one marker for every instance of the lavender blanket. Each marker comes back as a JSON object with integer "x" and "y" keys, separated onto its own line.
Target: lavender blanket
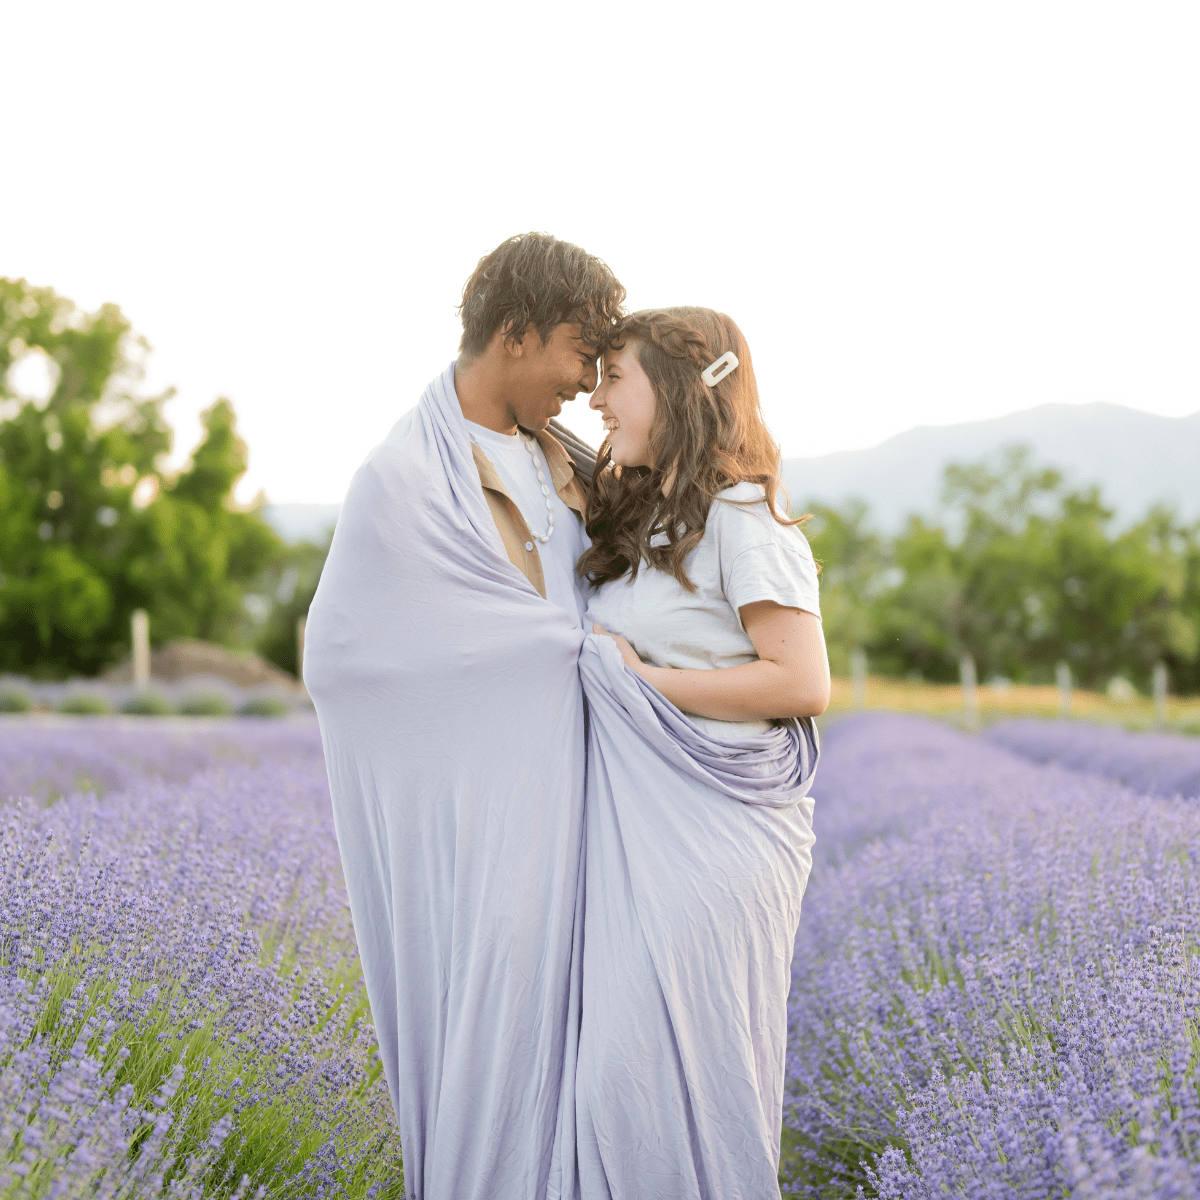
{"x": 531, "y": 1051}
{"x": 452, "y": 718}
{"x": 698, "y": 853}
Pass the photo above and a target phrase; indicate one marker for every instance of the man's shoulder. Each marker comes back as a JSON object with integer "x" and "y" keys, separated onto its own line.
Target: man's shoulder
{"x": 399, "y": 433}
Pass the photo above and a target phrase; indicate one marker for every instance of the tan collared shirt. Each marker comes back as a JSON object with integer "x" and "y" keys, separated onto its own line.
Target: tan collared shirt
{"x": 514, "y": 529}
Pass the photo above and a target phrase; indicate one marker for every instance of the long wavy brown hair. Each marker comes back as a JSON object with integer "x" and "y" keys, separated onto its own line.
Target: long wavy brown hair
{"x": 703, "y": 440}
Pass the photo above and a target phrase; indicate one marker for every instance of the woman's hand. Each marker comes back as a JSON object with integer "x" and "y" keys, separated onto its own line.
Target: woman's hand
{"x": 789, "y": 678}
{"x": 628, "y": 653}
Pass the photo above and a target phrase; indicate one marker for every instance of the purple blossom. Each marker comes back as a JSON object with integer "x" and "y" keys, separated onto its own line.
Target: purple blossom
{"x": 994, "y": 990}
{"x": 995, "y": 987}
{"x": 181, "y": 1003}
{"x": 1159, "y": 764}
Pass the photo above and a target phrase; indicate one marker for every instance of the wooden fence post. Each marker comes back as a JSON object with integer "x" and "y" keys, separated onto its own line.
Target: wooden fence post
{"x": 140, "y": 624}
{"x": 1062, "y": 676}
{"x": 970, "y": 690}
{"x": 858, "y": 679}
{"x": 1160, "y": 695}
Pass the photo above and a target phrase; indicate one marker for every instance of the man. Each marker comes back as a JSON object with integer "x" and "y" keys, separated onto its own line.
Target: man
{"x": 441, "y": 653}
{"x": 519, "y": 363}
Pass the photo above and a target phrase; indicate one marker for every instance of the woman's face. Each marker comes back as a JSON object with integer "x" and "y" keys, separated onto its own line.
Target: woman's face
{"x": 626, "y": 401}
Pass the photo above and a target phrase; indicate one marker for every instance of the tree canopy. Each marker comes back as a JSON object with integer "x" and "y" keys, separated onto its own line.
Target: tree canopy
{"x": 91, "y": 525}
{"x": 1023, "y": 573}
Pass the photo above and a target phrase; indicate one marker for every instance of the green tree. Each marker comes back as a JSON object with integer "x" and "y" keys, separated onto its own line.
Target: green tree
{"x": 90, "y": 527}
{"x": 999, "y": 512}
{"x": 290, "y": 586}
{"x": 1185, "y": 668}
{"x": 920, "y": 622}
{"x": 1029, "y": 574}
{"x": 194, "y": 555}
{"x": 854, "y": 567}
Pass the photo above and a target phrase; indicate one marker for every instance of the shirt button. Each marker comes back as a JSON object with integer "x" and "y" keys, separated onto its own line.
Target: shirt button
{"x": 528, "y": 545}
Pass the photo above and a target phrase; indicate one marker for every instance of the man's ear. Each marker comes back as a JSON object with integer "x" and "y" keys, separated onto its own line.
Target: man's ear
{"x": 516, "y": 343}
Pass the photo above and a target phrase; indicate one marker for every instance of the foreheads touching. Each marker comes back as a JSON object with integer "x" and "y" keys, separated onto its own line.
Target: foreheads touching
{"x": 535, "y": 313}
{"x": 535, "y": 279}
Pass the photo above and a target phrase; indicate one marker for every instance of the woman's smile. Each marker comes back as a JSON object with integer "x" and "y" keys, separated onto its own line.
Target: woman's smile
{"x": 625, "y": 400}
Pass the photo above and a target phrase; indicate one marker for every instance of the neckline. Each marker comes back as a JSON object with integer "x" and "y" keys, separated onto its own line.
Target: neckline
{"x": 514, "y": 439}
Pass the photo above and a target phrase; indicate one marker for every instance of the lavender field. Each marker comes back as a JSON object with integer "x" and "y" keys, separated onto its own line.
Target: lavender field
{"x": 181, "y": 1007}
{"x": 995, "y": 985}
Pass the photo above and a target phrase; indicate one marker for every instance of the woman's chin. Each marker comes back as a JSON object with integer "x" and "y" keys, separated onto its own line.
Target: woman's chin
{"x": 624, "y": 459}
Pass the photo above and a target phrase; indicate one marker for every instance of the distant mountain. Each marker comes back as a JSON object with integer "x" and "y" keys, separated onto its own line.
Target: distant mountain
{"x": 302, "y": 522}
{"x": 1135, "y": 458}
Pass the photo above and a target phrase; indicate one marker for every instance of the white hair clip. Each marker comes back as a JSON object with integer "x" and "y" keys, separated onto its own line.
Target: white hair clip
{"x": 716, "y": 371}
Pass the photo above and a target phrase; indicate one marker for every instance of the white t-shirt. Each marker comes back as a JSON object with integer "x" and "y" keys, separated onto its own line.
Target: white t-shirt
{"x": 744, "y": 556}
{"x": 516, "y": 468}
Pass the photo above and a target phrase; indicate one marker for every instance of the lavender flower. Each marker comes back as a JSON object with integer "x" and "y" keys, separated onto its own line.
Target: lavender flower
{"x": 181, "y": 1004}
{"x": 995, "y": 987}
{"x": 1159, "y": 764}
{"x": 994, "y": 992}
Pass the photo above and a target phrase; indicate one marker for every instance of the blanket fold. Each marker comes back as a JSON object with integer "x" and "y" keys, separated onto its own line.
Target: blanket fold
{"x": 697, "y": 856}
{"x": 452, "y": 719}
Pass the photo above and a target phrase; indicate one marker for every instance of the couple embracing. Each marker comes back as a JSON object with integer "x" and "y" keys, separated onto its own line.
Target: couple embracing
{"x": 566, "y": 709}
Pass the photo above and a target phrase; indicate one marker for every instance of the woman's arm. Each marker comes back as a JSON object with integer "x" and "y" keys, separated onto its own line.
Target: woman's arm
{"x": 790, "y": 679}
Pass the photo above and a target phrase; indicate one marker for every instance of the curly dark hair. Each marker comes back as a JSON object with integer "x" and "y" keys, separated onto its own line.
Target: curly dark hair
{"x": 535, "y": 278}
{"x": 703, "y": 440}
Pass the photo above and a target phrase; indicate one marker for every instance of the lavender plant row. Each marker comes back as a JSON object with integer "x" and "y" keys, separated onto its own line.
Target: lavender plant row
{"x": 995, "y": 989}
{"x": 1158, "y": 764}
{"x": 18, "y": 693}
{"x": 181, "y": 1008}
{"x": 59, "y": 756}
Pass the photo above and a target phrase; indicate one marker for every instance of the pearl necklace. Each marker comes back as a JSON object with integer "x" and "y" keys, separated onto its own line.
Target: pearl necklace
{"x": 537, "y": 463}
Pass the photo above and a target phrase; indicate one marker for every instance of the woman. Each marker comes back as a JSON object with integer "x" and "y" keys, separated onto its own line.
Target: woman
{"x": 706, "y": 666}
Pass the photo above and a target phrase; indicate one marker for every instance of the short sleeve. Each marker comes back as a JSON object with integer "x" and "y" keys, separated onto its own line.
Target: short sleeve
{"x": 764, "y": 560}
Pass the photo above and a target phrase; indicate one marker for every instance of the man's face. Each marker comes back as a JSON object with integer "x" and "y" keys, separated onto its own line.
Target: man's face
{"x": 550, "y": 373}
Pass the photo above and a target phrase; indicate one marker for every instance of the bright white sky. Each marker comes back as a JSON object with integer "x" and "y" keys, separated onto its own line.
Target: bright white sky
{"x": 919, "y": 213}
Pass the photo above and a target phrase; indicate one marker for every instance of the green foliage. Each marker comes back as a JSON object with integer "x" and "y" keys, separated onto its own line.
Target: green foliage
{"x": 204, "y": 704}
{"x": 14, "y": 700}
{"x": 1023, "y": 574}
{"x": 264, "y": 706}
{"x": 147, "y": 704}
{"x": 90, "y": 526}
{"x": 290, "y": 583}
{"x": 85, "y": 704}
{"x": 853, "y": 570}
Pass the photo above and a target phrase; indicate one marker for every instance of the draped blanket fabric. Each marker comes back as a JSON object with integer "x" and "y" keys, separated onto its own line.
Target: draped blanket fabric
{"x": 698, "y": 853}
{"x": 541, "y": 1043}
{"x": 452, "y": 719}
